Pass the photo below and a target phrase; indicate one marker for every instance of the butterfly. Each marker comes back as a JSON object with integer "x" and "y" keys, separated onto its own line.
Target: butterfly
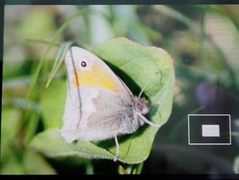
{"x": 99, "y": 105}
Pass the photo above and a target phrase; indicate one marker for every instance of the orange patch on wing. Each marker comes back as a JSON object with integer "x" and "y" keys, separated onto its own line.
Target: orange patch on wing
{"x": 95, "y": 77}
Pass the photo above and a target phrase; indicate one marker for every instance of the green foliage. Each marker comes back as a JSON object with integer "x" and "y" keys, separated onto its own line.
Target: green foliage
{"x": 34, "y": 51}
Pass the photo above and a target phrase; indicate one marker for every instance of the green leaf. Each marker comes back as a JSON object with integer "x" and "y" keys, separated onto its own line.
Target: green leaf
{"x": 52, "y": 144}
{"x": 36, "y": 164}
{"x": 59, "y": 59}
{"x": 11, "y": 164}
{"x": 151, "y": 69}
{"x": 11, "y": 124}
{"x": 52, "y": 102}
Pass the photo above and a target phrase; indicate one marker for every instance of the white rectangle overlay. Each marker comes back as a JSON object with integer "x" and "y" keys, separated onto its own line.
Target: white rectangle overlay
{"x": 213, "y": 143}
{"x": 210, "y": 130}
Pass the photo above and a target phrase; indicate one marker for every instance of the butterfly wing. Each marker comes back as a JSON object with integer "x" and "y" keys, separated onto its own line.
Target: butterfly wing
{"x": 98, "y": 103}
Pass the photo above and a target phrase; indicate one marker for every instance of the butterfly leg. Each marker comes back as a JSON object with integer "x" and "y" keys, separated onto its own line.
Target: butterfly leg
{"x": 147, "y": 121}
{"x": 117, "y": 148}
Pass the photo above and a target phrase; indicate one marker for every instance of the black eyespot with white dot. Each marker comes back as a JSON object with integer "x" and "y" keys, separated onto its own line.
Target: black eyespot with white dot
{"x": 83, "y": 64}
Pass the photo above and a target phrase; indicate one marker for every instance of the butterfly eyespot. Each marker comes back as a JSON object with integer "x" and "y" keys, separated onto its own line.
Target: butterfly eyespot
{"x": 83, "y": 64}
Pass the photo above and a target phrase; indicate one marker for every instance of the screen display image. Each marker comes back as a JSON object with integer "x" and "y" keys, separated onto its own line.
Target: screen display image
{"x": 120, "y": 89}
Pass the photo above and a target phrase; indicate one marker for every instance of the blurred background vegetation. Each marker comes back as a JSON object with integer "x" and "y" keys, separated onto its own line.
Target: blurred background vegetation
{"x": 202, "y": 39}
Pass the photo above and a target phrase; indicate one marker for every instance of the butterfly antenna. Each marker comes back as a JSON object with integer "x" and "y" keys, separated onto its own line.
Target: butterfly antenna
{"x": 142, "y": 90}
